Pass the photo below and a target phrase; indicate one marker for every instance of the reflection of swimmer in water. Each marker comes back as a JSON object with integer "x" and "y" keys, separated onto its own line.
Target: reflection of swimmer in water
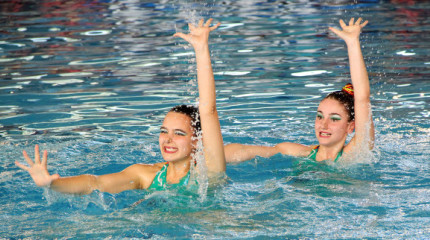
{"x": 177, "y": 139}
{"x": 338, "y": 114}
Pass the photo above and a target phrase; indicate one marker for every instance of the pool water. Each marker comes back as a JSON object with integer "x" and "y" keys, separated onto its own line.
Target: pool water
{"x": 91, "y": 82}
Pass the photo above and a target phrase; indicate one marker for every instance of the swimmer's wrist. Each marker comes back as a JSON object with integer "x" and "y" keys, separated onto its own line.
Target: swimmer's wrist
{"x": 353, "y": 42}
{"x": 201, "y": 49}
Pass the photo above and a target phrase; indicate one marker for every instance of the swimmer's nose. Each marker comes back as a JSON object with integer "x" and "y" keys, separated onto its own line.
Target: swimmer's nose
{"x": 169, "y": 138}
{"x": 166, "y": 138}
{"x": 325, "y": 123}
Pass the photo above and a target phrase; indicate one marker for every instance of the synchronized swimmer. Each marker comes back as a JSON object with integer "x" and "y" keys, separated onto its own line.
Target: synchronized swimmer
{"x": 338, "y": 114}
{"x": 177, "y": 139}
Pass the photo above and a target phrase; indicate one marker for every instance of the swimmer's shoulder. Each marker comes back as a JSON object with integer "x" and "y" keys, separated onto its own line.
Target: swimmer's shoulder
{"x": 294, "y": 149}
{"x": 145, "y": 172}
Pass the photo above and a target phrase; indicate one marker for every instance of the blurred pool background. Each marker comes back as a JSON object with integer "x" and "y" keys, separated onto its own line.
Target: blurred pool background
{"x": 91, "y": 82}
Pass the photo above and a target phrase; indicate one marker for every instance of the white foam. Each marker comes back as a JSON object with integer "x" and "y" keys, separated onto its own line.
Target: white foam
{"x": 97, "y": 32}
{"x": 62, "y": 81}
{"x": 30, "y": 77}
{"x": 28, "y": 58}
{"x": 76, "y": 74}
{"x": 309, "y": 73}
{"x": 40, "y": 39}
{"x": 67, "y": 39}
{"x": 13, "y": 44}
{"x": 404, "y": 53}
{"x": 148, "y": 64}
{"x": 230, "y": 25}
{"x": 182, "y": 54}
{"x": 245, "y": 50}
{"x": 318, "y": 85}
{"x": 97, "y": 61}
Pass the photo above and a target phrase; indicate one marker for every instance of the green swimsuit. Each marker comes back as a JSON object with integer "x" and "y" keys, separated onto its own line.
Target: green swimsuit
{"x": 313, "y": 154}
{"x": 160, "y": 181}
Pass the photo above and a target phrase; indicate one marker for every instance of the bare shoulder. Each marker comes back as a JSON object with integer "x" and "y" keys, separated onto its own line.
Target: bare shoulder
{"x": 144, "y": 168}
{"x": 294, "y": 149}
{"x": 145, "y": 172}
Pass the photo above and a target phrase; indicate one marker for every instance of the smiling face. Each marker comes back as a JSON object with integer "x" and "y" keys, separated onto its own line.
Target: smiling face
{"x": 331, "y": 123}
{"x": 176, "y": 133}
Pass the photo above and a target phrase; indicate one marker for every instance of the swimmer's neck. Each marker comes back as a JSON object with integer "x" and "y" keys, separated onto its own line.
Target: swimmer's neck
{"x": 176, "y": 170}
{"x": 328, "y": 152}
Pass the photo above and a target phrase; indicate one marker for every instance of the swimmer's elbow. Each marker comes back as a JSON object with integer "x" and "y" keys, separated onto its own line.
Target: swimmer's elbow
{"x": 233, "y": 153}
{"x": 206, "y": 109}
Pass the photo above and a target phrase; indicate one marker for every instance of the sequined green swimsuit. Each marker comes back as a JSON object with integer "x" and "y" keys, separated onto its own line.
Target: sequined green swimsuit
{"x": 313, "y": 154}
{"x": 160, "y": 181}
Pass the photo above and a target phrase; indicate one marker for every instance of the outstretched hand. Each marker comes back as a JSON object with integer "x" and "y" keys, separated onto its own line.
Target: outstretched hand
{"x": 349, "y": 32}
{"x": 38, "y": 170}
{"x": 199, "y": 35}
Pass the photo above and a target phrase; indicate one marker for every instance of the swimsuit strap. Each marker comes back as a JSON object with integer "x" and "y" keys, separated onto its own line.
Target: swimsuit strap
{"x": 160, "y": 181}
{"x": 339, "y": 154}
{"x": 313, "y": 154}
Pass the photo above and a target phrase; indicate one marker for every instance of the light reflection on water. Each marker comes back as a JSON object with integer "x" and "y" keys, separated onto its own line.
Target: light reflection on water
{"x": 91, "y": 81}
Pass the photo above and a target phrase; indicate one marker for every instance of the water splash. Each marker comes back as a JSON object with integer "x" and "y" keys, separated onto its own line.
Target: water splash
{"x": 201, "y": 172}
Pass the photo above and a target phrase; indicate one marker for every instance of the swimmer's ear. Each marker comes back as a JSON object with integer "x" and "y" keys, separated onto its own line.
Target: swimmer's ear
{"x": 351, "y": 126}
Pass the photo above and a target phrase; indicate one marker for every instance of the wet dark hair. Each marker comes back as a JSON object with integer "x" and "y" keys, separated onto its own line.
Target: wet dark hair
{"x": 345, "y": 98}
{"x": 192, "y": 112}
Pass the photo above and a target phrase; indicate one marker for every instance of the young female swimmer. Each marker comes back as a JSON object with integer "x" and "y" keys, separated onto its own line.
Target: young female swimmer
{"x": 177, "y": 139}
{"x": 337, "y": 115}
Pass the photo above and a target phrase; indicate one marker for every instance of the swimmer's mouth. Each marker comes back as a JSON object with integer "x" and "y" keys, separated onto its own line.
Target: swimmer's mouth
{"x": 170, "y": 149}
{"x": 324, "y": 134}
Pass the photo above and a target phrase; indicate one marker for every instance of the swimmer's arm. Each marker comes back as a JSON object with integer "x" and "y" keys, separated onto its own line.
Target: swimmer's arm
{"x": 127, "y": 179}
{"x": 132, "y": 177}
{"x": 211, "y": 129}
{"x": 236, "y": 152}
{"x": 364, "y": 127}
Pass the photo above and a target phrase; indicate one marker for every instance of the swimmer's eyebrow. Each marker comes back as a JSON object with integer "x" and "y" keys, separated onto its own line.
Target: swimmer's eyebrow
{"x": 319, "y": 111}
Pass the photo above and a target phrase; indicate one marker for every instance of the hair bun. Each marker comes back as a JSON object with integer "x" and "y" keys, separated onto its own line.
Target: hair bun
{"x": 349, "y": 89}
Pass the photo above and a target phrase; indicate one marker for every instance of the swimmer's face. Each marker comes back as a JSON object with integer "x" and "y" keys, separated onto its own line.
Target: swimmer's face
{"x": 176, "y": 137}
{"x": 331, "y": 123}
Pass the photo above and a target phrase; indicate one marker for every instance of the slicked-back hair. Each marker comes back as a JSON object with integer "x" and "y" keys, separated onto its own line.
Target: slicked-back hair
{"x": 192, "y": 112}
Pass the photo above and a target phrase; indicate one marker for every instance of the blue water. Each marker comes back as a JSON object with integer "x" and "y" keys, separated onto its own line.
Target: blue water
{"x": 91, "y": 82}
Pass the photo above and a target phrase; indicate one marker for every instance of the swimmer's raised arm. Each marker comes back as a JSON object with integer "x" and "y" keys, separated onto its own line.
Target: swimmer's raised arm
{"x": 211, "y": 129}
{"x": 364, "y": 128}
{"x": 137, "y": 176}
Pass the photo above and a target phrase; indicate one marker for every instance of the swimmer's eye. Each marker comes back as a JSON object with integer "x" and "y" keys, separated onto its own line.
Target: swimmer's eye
{"x": 162, "y": 130}
{"x": 180, "y": 133}
{"x": 335, "y": 118}
{"x": 319, "y": 115}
